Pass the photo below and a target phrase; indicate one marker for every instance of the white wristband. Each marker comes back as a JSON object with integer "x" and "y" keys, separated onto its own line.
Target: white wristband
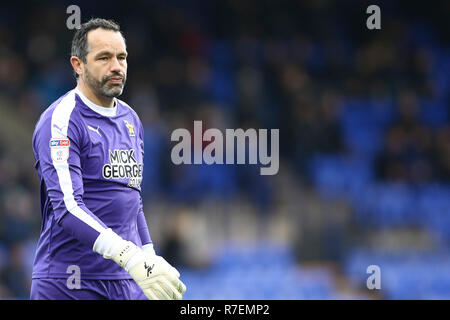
{"x": 108, "y": 243}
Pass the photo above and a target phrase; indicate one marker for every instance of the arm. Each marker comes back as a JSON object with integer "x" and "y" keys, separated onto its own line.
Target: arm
{"x": 147, "y": 244}
{"x": 57, "y": 147}
{"x": 144, "y": 233}
{"x": 143, "y": 228}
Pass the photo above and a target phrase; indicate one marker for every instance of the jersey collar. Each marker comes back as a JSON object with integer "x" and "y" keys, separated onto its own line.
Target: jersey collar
{"x": 107, "y": 112}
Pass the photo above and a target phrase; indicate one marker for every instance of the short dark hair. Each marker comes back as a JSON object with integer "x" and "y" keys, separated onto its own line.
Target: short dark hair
{"x": 79, "y": 42}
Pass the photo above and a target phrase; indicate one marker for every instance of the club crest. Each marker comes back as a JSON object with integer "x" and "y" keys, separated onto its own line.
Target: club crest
{"x": 130, "y": 128}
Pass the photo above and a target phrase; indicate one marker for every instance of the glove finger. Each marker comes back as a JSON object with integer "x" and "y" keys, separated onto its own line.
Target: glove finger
{"x": 159, "y": 292}
{"x": 181, "y": 287}
{"x": 150, "y": 295}
{"x": 177, "y": 283}
{"x": 175, "y": 271}
{"x": 169, "y": 288}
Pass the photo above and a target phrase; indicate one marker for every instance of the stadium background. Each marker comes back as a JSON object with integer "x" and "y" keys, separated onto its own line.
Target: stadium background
{"x": 364, "y": 141}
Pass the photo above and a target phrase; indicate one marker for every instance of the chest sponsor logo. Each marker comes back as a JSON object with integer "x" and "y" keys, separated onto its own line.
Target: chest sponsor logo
{"x": 123, "y": 165}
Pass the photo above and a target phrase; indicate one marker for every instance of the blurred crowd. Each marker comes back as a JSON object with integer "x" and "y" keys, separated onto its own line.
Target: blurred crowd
{"x": 290, "y": 65}
{"x": 414, "y": 152}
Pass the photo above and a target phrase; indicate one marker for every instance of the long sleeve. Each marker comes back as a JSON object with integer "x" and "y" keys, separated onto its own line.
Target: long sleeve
{"x": 57, "y": 151}
{"x": 143, "y": 227}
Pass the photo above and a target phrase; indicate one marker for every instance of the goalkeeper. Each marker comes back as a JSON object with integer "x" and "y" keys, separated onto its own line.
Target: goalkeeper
{"x": 88, "y": 146}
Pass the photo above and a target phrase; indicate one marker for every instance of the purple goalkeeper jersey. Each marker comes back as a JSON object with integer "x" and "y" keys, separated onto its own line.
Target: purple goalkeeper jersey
{"x": 89, "y": 160}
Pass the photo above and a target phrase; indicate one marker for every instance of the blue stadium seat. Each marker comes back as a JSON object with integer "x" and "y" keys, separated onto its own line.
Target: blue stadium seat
{"x": 388, "y": 205}
{"x": 441, "y": 70}
{"x": 434, "y": 113}
{"x": 414, "y": 275}
{"x": 363, "y": 123}
{"x": 434, "y": 203}
{"x": 340, "y": 176}
{"x": 240, "y": 274}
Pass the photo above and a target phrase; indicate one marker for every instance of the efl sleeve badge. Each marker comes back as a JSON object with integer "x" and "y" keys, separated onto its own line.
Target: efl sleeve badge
{"x": 59, "y": 150}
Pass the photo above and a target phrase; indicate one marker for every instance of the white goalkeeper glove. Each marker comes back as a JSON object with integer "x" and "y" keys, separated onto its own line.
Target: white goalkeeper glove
{"x": 153, "y": 274}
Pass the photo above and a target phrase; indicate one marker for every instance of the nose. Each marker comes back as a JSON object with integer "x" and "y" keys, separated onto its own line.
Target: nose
{"x": 116, "y": 66}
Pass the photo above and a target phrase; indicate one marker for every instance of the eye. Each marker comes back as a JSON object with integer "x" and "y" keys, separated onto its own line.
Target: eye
{"x": 103, "y": 58}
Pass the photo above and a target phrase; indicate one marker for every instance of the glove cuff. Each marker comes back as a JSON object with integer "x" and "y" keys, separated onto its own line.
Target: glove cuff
{"x": 108, "y": 243}
{"x": 125, "y": 253}
{"x": 111, "y": 246}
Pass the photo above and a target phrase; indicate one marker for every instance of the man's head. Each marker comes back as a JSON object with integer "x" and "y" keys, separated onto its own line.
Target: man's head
{"x": 99, "y": 57}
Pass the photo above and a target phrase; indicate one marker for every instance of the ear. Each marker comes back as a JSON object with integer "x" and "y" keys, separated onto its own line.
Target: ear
{"x": 77, "y": 65}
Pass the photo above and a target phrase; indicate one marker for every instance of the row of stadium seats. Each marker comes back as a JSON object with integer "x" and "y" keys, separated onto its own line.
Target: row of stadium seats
{"x": 263, "y": 271}
{"x": 382, "y": 204}
{"x": 363, "y": 122}
{"x": 404, "y": 275}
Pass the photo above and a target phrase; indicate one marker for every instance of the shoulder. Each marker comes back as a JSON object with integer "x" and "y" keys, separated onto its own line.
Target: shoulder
{"x": 132, "y": 116}
{"x": 63, "y": 109}
{"x": 58, "y": 117}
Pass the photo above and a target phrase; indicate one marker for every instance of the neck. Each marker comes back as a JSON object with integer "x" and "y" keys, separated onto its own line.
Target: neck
{"x": 97, "y": 99}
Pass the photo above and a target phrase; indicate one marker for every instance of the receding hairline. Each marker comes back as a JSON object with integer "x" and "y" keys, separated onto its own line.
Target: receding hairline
{"x": 88, "y": 42}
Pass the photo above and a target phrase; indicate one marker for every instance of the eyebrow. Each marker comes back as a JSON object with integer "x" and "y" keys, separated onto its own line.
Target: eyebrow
{"x": 108, "y": 53}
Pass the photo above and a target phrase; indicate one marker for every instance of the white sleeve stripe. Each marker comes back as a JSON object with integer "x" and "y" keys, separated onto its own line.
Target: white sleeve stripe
{"x": 59, "y": 126}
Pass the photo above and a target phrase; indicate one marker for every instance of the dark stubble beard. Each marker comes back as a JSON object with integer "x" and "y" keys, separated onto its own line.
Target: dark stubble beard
{"x": 102, "y": 87}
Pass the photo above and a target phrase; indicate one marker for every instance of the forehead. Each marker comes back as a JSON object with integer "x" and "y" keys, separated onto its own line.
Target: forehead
{"x": 101, "y": 39}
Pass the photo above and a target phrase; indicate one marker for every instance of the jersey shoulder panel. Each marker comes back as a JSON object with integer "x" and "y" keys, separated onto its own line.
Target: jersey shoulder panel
{"x": 60, "y": 121}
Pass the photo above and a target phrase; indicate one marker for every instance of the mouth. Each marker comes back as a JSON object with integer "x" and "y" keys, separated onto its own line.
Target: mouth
{"x": 116, "y": 80}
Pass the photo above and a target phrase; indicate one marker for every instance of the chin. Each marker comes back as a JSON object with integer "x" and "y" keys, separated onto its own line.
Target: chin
{"x": 113, "y": 93}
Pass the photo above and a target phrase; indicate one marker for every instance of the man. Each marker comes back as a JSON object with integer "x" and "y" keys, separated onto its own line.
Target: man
{"x": 88, "y": 147}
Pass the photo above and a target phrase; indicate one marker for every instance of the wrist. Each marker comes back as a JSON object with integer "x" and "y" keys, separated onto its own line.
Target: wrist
{"x": 148, "y": 248}
{"x": 111, "y": 246}
{"x": 108, "y": 243}
{"x": 134, "y": 259}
